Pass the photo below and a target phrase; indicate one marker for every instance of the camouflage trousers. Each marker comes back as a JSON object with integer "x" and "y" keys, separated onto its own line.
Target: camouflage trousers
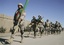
{"x": 41, "y": 29}
{"x": 47, "y": 30}
{"x": 58, "y": 30}
{"x": 18, "y": 27}
{"x": 34, "y": 29}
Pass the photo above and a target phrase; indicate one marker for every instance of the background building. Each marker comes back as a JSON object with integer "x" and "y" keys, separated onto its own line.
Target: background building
{"x": 7, "y": 22}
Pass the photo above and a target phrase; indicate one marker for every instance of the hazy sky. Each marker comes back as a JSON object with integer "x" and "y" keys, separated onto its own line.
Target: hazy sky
{"x": 49, "y": 9}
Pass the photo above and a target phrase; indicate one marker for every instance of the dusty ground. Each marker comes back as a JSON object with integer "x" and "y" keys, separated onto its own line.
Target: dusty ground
{"x": 44, "y": 40}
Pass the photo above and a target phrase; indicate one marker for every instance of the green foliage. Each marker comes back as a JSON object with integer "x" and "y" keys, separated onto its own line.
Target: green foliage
{"x": 2, "y": 30}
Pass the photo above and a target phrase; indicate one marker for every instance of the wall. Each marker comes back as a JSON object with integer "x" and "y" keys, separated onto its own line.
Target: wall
{"x": 7, "y": 22}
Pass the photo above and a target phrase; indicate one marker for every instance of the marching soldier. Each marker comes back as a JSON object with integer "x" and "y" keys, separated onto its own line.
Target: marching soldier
{"x": 47, "y": 25}
{"x": 60, "y": 28}
{"x": 18, "y": 22}
{"x": 40, "y": 25}
{"x": 52, "y": 28}
{"x": 33, "y": 22}
{"x": 56, "y": 27}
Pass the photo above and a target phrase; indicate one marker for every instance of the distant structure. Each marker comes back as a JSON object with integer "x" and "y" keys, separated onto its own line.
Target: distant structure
{"x": 7, "y": 22}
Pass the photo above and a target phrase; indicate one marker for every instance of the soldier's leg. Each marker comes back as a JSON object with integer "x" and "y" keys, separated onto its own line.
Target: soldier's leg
{"x": 34, "y": 32}
{"x": 12, "y": 34}
{"x": 15, "y": 29}
{"x": 43, "y": 30}
{"x": 50, "y": 30}
{"x": 55, "y": 30}
{"x": 29, "y": 30}
{"x": 22, "y": 32}
{"x": 15, "y": 26}
{"x": 40, "y": 31}
{"x": 59, "y": 31}
{"x": 46, "y": 30}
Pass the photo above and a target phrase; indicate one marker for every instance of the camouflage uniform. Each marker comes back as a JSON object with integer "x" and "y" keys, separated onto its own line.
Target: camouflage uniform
{"x": 19, "y": 24}
{"x": 60, "y": 28}
{"x": 47, "y": 27}
{"x": 52, "y": 28}
{"x": 40, "y": 25}
{"x": 33, "y": 22}
{"x": 56, "y": 27}
{"x": 18, "y": 18}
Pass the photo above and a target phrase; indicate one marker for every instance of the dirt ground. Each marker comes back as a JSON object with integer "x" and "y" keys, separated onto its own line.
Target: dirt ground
{"x": 29, "y": 40}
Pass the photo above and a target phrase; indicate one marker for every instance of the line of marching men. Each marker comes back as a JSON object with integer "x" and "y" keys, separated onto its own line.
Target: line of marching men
{"x": 38, "y": 25}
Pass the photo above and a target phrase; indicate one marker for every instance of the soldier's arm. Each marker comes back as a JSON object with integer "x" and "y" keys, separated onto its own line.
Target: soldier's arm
{"x": 42, "y": 21}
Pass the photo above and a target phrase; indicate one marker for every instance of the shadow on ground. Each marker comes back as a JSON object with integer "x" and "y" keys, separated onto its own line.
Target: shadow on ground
{"x": 3, "y": 41}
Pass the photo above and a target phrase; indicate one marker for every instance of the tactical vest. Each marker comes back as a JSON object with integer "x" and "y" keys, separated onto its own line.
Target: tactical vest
{"x": 46, "y": 24}
{"x": 33, "y": 21}
{"x": 56, "y": 25}
{"x": 17, "y": 15}
{"x": 39, "y": 20}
